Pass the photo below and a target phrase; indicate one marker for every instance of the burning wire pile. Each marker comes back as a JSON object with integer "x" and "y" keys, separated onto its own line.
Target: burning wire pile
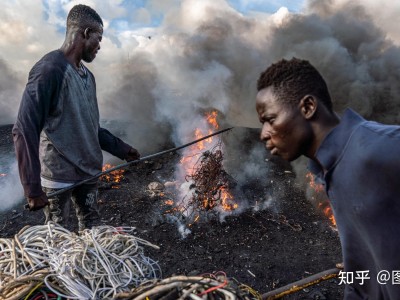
{"x": 206, "y": 193}
{"x": 210, "y": 183}
{"x": 209, "y": 180}
{"x": 211, "y": 286}
{"x": 97, "y": 264}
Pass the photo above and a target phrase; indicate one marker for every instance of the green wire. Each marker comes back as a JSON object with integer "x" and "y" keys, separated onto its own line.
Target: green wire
{"x": 34, "y": 289}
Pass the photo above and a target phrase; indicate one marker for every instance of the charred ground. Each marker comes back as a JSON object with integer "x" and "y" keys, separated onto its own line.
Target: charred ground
{"x": 264, "y": 249}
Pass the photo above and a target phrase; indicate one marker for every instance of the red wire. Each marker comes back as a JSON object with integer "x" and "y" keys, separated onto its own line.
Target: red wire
{"x": 214, "y": 288}
{"x": 40, "y": 296}
{"x": 215, "y": 276}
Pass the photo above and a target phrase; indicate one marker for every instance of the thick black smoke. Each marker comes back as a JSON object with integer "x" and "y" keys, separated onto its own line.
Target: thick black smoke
{"x": 214, "y": 62}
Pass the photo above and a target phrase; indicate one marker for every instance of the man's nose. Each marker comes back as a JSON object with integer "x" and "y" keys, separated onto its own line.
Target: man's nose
{"x": 265, "y": 134}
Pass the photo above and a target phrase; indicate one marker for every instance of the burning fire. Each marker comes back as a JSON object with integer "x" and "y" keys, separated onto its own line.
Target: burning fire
{"x": 212, "y": 119}
{"x": 169, "y": 202}
{"x": 323, "y": 205}
{"x": 201, "y": 166}
{"x": 227, "y": 203}
{"x": 326, "y": 208}
{"x": 191, "y": 155}
{"x": 112, "y": 177}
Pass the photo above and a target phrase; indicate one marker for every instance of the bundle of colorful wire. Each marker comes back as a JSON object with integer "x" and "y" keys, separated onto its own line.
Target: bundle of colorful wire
{"x": 209, "y": 286}
{"x": 97, "y": 264}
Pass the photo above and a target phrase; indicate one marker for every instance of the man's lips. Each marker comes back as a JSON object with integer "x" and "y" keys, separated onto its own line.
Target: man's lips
{"x": 273, "y": 150}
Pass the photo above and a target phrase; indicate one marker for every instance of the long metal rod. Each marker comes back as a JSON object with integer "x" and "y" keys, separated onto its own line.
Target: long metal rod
{"x": 301, "y": 284}
{"x": 135, "y": 161}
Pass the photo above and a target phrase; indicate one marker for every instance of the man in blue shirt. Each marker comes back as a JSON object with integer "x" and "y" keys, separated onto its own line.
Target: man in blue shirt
{"x": 358, "y": 161}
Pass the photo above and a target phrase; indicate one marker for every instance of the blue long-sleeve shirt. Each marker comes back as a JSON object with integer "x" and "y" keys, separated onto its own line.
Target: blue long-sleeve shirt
{"x": 57, "y": 133}
{"x": 362, "y": 159}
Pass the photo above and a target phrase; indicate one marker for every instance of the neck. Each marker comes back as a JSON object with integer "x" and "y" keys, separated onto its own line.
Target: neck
{"x": 321, "y": 127}
{"x": 70, "y": 48}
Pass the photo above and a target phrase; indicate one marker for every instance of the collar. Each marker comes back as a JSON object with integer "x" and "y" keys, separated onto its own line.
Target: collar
{"x": 335, "y": 142}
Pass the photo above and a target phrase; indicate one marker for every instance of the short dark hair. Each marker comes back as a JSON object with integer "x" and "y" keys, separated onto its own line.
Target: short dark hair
{"x": 83, "y": 16}
{"x": 293, "y": 79}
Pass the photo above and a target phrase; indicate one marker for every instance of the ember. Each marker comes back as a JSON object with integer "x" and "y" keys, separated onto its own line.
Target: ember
{"x": 315, "y": 186}
{"x": 326, "y": 208}
{"x": 169, "y": 202}
{"x": 323, "y": 205}
{"x": 114, "y": 177}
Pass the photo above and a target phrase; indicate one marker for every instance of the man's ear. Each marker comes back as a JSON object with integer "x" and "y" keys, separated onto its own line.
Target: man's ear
{"x": 308, "y": 106}
{"x": 86, "y": 33}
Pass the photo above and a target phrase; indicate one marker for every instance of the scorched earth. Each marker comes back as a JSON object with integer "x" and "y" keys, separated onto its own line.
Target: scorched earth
{"x": 263, "y": 246}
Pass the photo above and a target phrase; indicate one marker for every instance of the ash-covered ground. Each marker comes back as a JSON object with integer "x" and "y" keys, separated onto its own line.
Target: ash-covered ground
{"x": 278, "y": 238}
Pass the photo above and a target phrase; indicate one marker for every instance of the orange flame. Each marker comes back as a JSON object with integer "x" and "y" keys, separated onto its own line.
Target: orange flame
{"x": 169, "y": 202}
{"x": 326, "y": 208}
{"x": 114, "y": 176}
{"x": 325, "y": 205}
{"x": 190, "y": 159}
{"x": 315, "y": 186}
{"x": 227, "y": 200}
{"x": 212, "y": 119}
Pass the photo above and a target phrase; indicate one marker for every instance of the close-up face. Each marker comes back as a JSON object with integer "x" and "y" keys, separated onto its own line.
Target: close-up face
{"x": 92, "y": 44}
{"x": 285, "y": 131}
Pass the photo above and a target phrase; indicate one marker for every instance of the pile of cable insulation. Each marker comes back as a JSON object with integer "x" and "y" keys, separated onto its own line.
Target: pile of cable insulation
{"x": 209, "y": 286}
{"x": 96, "y": 264}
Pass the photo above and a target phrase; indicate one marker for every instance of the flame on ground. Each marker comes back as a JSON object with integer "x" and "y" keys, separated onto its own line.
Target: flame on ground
{"x": 323, "y": 205}
{"x": 190, "y": 158}
{"x": 315, "y": 186}
{"x": 326, "y": 208}
{"x": 169, "y": 202}
{"x": 112, "y": 177}
{"x": 227, "y": 201}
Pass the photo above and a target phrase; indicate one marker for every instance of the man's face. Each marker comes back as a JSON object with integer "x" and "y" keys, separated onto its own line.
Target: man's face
{"x": 92, "y": 43}
{"x": 285, "y": 131}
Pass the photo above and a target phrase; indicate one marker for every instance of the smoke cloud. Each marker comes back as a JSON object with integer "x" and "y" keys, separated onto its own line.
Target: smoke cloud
{"x": 205, "y": 55}
{"x": 10, "y": 89}
{"x": 11, "y": 192}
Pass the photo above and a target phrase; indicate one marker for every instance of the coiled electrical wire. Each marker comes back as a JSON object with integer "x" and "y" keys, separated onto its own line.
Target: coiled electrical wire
{"x": 96, "y": 264}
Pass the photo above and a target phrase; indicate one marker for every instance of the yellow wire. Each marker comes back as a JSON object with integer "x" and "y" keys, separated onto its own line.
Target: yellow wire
{"x": 251, "y": 291}
{"x": 34, "y": 289}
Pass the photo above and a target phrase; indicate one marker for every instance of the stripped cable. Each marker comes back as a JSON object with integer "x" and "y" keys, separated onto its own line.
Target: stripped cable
{"x": 96, "y": 264}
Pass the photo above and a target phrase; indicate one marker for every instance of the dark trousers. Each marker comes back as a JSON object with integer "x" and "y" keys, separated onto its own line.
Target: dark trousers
{"x": 84, "y": 201}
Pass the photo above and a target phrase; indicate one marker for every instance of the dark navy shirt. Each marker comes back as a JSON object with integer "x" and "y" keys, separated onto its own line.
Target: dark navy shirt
{"x": 362, "y": 159}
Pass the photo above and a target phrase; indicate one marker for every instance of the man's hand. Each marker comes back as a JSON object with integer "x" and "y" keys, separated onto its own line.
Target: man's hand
{"x": 133, "y": 154}
{"x": 36, "y": 203}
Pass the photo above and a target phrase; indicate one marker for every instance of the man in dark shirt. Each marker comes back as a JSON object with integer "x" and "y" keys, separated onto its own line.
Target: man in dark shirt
{"x": 57, "y": 137}
{"x": 358, "y": 161}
